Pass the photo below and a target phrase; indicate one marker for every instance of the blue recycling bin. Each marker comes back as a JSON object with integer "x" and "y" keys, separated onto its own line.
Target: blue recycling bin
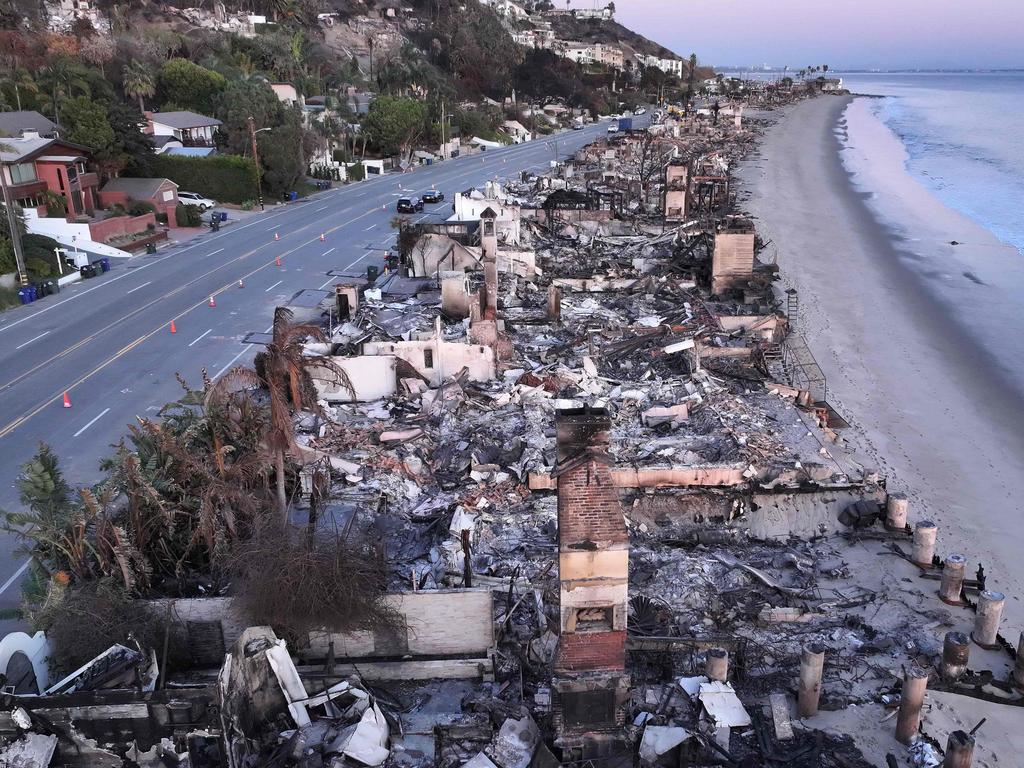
{"x": 293, "y": 196}
{"x": 223, "y": 215}
{"x": 33, "y": 294}
{"x": 104, "y": 264}
{"x": 25, "y": 295}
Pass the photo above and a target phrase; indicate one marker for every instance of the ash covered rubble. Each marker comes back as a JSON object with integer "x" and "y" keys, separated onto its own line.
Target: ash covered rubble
{"x": 618, "y": 516}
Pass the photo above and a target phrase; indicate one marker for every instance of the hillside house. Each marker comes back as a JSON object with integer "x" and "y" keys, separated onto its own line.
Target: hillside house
{"x": 35, "y": 167}
{"x": 17, "y": 124}
{"x": 162, "y": 194}
{"x": 189, "y": 128}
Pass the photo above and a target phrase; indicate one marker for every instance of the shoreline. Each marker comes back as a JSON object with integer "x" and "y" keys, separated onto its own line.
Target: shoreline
{"x": 930, "y": 408}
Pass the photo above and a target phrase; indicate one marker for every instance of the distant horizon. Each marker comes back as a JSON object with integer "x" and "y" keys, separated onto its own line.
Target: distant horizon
{"x": 863, "y": 35}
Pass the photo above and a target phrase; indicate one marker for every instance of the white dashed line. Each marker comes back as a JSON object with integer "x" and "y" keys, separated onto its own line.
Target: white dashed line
{"x": 94, "y": 420}
{"x": 37, "y": 338}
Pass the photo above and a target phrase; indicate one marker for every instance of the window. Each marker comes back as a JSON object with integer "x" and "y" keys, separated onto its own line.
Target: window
{"x": 22, "y": 172}
{"x": 72, "y": 174}
{"x": 428, "y": 358}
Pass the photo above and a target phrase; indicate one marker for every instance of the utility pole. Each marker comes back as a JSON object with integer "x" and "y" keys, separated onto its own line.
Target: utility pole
{"x": 256, "y": 159}
{"x": 444, "y": 147}
{"x": 12, "y": 224}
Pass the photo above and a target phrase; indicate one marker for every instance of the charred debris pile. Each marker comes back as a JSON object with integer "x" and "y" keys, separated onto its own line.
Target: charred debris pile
{"x": 617, "y": 516}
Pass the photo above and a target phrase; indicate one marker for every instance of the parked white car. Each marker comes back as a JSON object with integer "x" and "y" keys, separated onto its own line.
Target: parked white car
{"x": 194, "y": 198}
{"x": 641, "y": 111}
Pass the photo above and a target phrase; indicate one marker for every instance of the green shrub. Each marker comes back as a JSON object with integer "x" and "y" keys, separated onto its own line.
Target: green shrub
{"x": 141, "y": 208}
{"x": 356, "y": 172}
{"x": 8, "y": 297}
{"x": 115, "y": 211}
{"x": 161, "y": 217}
{"x": 187, "y": 216}
{"x": 37, "y": 267}
{"x": 248, "y": 205}
{"x": 226, "y": 178}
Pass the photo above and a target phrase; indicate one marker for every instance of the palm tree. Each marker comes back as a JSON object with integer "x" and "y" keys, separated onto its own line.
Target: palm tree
{"x": 286, "y": 371}
{"x": 64, "y": 79}
{"x": 689, "y": 79}
{"x": 138, "y": 82}
{"x": 17, "y": 80}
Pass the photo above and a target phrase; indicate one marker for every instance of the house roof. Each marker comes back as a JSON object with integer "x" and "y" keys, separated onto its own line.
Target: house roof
{"x": 159, "y": 141}
{"x": 136, "y": 189}
{"x": 190, "y": 151}
{"x": 184, "y": 119}
{"x": 23, "y": 150}
{"x": 16, "y": 123}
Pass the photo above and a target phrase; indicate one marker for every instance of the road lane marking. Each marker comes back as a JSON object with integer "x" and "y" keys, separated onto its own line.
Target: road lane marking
{"x": 15, "y": 577}
{"x": 213, "y": 254}
{"x": 231, "y": 362}
{"x": 372, "y": 226}
{"x": 328, "y": 252}
{"x": 329, "y": 279}
{"x": 200, "y": 337}
{"x": 321, "y": 208}
{"x": 359, "y": 259}
{"x": 14, "y": 424}
{"x": 37, "y": 338}
{"x": 137, "y": 287}
{"x": 268, "y": 290}
{"x": 93, "y": 421}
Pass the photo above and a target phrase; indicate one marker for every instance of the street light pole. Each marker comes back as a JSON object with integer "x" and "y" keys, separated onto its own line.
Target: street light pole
{"x": 256, "y": 159}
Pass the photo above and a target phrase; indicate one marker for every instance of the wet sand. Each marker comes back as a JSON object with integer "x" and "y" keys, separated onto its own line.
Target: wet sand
{"x": 922, "y": 361}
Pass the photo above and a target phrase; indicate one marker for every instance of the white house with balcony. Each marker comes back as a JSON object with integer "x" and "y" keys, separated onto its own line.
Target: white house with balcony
{"x": 190, "y": 128}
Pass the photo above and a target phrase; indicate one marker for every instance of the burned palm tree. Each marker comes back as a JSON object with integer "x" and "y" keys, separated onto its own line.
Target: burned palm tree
{"x": 285, "y": 370}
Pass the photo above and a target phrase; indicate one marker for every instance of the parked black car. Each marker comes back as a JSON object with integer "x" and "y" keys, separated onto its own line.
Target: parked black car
{"x": 433, "y": 196}
{"x": 409, "y": 205}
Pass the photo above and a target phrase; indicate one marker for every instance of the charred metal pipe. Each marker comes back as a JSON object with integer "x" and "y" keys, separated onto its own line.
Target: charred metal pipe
{"x": 924, "y": 542}
{"x": 952, "y": 579}
{"x": 959, "y": 750}
{"x": 956, "y": 652}
{"x": 986, "y": 621}
{"x": 716, "y": 666}
{"x": 896, "y": 511}
{"x": 915, "y": 683}
{"x": 812, "y": 662}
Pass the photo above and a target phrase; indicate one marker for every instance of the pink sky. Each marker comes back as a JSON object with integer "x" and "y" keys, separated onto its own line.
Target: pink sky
{"x": 856, "y": 33}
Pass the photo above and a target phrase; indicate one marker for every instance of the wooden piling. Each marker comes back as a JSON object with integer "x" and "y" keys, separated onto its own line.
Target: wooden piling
{"x": 986, "y": 621}
{"x": 716, "y": 666}
{"x": 956, "y": 652}
{"x": 924, "y": 542}
{"x": 959, "y": 750}
{"x": 812, "y": 662}
{"x": 915, "y": 683}
{"x": 952, "y": 579}
{"x": 896, "y": 511}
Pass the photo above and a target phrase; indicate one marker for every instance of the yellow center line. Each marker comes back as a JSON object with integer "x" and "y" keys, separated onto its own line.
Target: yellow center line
{"x": 13, "y": 425}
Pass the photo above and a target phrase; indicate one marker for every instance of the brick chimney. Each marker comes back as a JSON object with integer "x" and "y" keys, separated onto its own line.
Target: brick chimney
{"x": 590, "y": 685}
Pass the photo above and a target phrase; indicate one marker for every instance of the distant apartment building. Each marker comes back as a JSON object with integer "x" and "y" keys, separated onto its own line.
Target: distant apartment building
{"x": 668, "y": 66}
{"x": 189, "y": 128}
{"x": 591, "y": 53}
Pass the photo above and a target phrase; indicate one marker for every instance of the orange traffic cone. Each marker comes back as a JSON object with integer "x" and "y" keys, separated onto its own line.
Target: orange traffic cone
{"x": 277, "y": 236}
{"x": 277, "y": 261}
{"x": 67, "y": 401}
{"x": 173, "y": 329}
{"x": 212, "y": 302}
{"x": 322, "y": 237}
{"x": 240, "y": 283}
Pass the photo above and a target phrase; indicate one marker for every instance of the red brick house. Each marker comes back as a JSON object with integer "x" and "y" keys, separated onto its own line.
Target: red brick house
{"x": 33, "y": 166}
{"x": 162, "y": 194}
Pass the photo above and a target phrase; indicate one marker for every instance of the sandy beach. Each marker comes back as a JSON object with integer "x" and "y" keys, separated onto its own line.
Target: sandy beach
{"x": 931, "y": 406}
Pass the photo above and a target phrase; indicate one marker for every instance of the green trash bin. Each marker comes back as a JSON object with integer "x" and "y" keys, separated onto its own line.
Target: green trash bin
{"x": 52, "y": 284}
{"x": 371, "y": 272}
{"x": 150, "y": 247}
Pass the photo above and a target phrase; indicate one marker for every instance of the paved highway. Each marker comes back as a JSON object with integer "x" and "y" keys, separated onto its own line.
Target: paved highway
{"x": 107, "y": 341}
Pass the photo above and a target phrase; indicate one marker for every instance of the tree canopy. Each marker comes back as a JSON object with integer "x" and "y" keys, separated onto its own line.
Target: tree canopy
{"x": 188, "y": 85}
{"x": 393, "y": 124}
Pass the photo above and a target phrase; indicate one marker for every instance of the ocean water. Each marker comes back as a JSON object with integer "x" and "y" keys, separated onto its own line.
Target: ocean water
{"x": 964, "y": 139}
